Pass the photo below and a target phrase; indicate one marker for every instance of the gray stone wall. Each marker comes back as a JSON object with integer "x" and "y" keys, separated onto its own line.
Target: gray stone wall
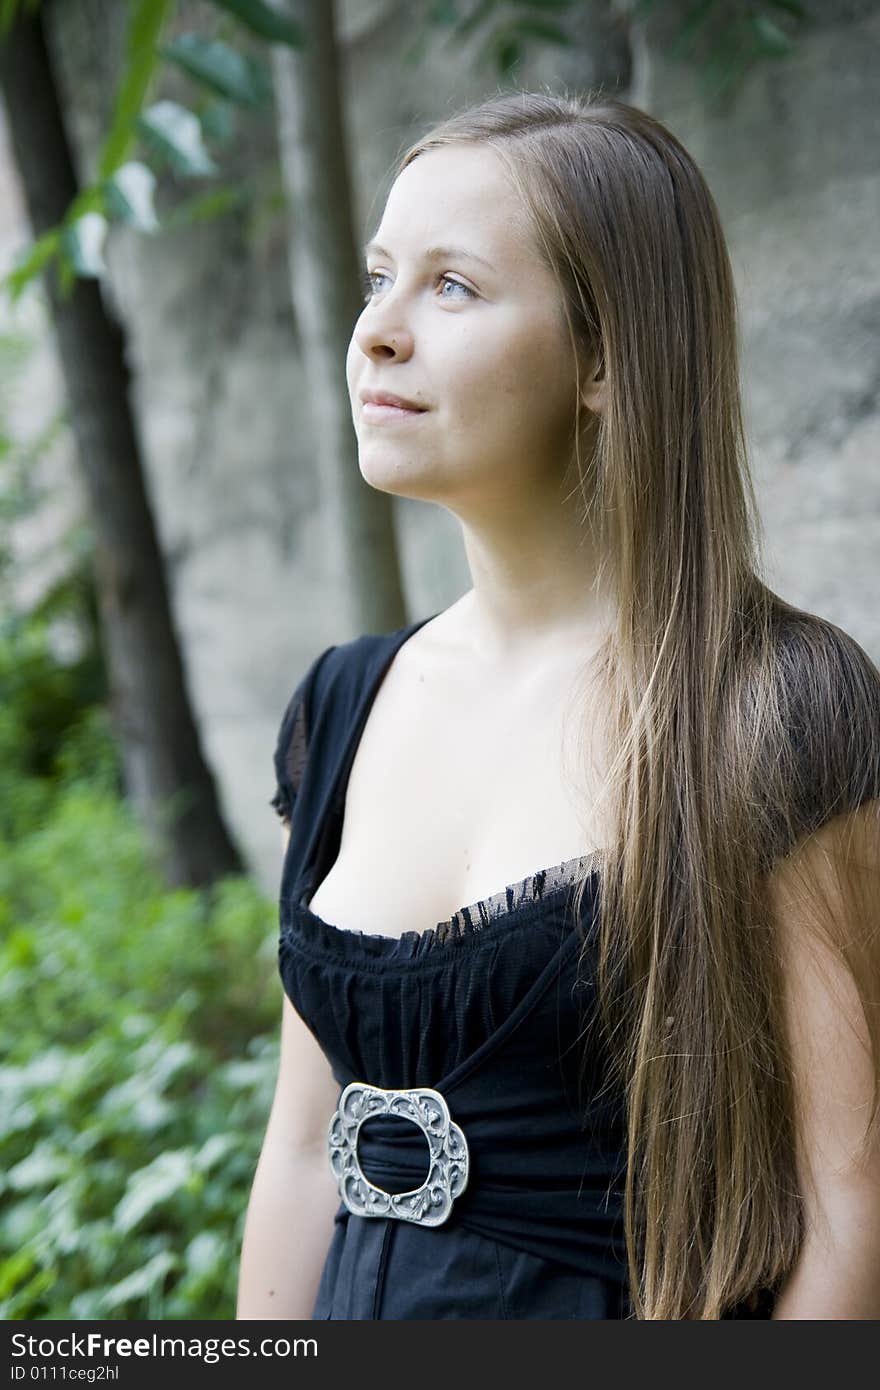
{"x": 796, "y": 173}
{"x": 220, "y": 400}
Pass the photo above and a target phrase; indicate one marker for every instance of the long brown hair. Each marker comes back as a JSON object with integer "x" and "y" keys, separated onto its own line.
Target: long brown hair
{"x": 736, "y": 725}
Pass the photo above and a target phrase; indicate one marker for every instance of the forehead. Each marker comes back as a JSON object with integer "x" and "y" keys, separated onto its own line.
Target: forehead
{"x": 461, "y": 194}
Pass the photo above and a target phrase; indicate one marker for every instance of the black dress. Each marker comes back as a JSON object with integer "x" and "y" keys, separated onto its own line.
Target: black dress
{"x": 488, "y": 1009}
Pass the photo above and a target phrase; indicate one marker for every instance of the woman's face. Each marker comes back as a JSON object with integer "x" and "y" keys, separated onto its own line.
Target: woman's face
{"x": 481, "y": 344}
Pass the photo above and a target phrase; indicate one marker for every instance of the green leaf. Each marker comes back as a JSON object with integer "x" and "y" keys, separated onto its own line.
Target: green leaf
{"x": 130, "y": 196}
{"x": 215, "y": 1148}
{"x": 219, "y": 67}
{"x": 83, "y": 242}
{"x": 149, "y": 1187}
{"x": 204, "y": 1252}
{"x": 135, "y": 1097}
{"x": 19, "y": 948}
{"x": 772, "y": 41}
{"x": 143, "y": 1281}
{"x": 177, "y": 133}
{"x": 142, "y": 56}
{"x": 32, "y": 263}
{"x": 218, "y": 120}
{"x": 26, "y": 1297}
{"x": 261, "y": 19}
{"x": 15, "y": 1269}
{"x": 42, "y": 1168}
{"x": 90, "y": 199}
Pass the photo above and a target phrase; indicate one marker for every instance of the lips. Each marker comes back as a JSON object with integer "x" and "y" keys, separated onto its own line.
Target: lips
{"x": 374, "y": 414}
{"x": 388, "y": 398}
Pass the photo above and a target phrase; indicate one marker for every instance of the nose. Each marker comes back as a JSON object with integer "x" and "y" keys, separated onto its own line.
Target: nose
{"x": 380, "y": 332}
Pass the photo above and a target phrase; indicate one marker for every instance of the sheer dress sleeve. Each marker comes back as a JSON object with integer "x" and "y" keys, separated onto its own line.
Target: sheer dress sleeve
{"x": 292, "y": 744}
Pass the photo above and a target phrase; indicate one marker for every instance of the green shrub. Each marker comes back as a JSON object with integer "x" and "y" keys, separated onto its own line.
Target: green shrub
{"x": 138, "y": 1027}
{"x": 138, "y": 1037}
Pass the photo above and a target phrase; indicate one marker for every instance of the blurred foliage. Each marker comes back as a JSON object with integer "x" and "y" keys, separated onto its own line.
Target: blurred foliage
{"x": 138, "y": 1027}
{"x": 51, "y": 666}
{"x": 123, "y": 191}
{"x": 139, "y": 1056}
{"x": 726, "y": 39}
{"x": 227, "y": 67}
{"x": 722, "y": 39}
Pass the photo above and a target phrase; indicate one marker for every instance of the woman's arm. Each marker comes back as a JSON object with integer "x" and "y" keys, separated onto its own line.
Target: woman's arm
{"x": 837, "y": 1275}
{"x": 293, "y": 1199}
{"x": 840, "y": 1281}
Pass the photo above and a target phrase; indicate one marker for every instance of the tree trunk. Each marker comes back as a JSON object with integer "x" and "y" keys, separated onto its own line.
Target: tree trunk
{"x": 170, "y": 785}
{"x": 326, "y": 295}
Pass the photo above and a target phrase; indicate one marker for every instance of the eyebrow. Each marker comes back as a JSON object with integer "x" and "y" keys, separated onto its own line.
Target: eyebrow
{"x": 434, "y": 253}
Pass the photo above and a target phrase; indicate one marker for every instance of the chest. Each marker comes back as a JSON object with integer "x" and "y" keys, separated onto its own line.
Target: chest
{"x": 454, "y": 794}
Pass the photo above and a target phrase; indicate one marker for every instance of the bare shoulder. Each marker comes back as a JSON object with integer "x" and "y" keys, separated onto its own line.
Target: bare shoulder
{"x": 824, "y": 906}
{"x": 823, "y": 898}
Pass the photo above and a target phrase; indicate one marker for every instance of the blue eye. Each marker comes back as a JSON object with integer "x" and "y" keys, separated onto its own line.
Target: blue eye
{"x": 367, "y": 285}
{"x": 369, "y": 289}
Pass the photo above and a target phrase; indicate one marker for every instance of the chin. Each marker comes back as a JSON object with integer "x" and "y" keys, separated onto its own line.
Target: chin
{"x": 401, "y": 477}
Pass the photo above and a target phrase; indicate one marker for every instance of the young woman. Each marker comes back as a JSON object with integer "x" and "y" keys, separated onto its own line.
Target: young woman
{"x": 637, "y": 1075}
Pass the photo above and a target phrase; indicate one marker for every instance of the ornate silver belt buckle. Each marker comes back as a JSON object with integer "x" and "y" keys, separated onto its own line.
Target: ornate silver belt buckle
{"x": 429, "y": 1204}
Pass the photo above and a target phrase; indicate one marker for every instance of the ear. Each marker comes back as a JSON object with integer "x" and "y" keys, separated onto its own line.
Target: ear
{"x": 593, "y": 396}
{"x": 593, "y": 390}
